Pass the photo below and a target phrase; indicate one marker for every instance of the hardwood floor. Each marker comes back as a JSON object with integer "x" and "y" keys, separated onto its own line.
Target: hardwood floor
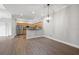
{"x": 37, "y": 46}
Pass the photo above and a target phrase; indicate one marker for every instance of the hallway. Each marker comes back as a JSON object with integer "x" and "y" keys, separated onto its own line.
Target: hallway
{"x": 37, "y": 46}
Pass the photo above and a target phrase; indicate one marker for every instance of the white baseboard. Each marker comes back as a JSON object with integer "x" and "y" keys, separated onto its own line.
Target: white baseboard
{"x": 70, "y": 44}
{"x": 9, "y": 36}
{"x": 12, "y": 36}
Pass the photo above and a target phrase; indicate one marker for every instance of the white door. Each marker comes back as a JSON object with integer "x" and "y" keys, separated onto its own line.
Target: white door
{"x": 2, "y": 29}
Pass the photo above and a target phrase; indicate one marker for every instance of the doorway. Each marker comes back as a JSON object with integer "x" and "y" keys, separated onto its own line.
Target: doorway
{"x": 21, "y": 28}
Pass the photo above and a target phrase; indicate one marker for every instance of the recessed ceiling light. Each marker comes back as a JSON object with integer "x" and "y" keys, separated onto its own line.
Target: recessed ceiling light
{"x": 33, "y": 12}
{"x": 21, "y": 14}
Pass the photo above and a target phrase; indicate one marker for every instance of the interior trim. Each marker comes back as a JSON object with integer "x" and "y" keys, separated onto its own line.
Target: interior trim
{"x": 70, "y": 44}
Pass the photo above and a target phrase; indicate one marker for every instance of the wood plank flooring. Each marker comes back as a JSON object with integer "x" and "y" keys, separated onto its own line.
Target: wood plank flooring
{"x": 37, "y": 46}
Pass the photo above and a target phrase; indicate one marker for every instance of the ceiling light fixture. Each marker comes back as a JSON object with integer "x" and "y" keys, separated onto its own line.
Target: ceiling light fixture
{"x": 33, "y": 12}
{"x": 48, "y": 9}
{"x": 48, "y": 16}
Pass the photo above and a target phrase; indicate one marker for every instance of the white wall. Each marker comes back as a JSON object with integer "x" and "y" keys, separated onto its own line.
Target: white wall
{"x": 65, "y": 25}
{"x": 5, "y": 17}
{"x": 48, "y": 27}
{"x": 7, "y": 24}
{"x": 13, "y": 26}
{"x": 2, "y": 29}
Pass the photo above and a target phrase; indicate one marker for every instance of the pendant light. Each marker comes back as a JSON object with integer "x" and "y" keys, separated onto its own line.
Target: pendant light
{"x": 48, "y": 15}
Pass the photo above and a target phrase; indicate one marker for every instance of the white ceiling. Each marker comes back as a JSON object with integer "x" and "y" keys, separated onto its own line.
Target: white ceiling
{"x": 31, "y": 10}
